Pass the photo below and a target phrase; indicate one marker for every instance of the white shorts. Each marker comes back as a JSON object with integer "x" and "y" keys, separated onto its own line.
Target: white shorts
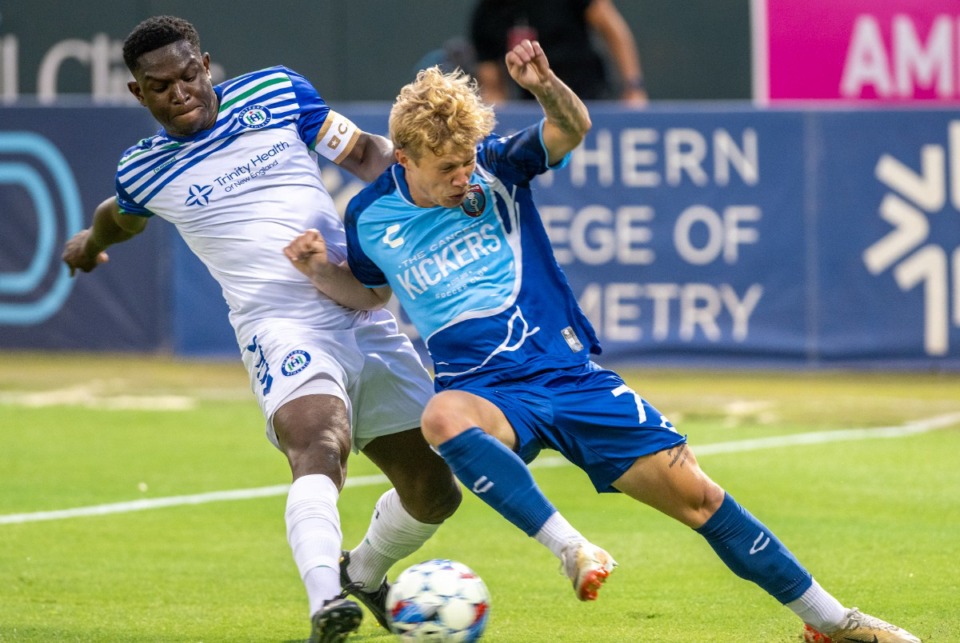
{"x": 372, "y": 367}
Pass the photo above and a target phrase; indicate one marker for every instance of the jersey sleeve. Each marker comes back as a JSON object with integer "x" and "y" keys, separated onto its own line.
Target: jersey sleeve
{"x": 129, "y": 206}
{"x": 313, "y": 109}
{"x": 325, "y": 131}
{"x": 518, "y": 157}
{"x": 362, "y": 267}
{"x": 124, "y": 199}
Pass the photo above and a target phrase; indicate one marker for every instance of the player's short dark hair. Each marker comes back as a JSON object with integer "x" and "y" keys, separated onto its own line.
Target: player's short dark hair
{"x": 156, "y": 32}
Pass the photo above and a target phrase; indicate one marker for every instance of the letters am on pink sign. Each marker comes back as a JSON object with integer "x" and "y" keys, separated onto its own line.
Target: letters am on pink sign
{"x": 896, "y": 51}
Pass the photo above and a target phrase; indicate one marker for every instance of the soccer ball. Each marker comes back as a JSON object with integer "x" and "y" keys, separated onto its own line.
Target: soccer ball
{"x": 438, "y": 600}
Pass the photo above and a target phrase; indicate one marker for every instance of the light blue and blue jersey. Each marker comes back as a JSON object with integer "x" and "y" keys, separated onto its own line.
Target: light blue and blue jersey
{"x": 481, "y": 284}
{"x": 479, "y": 281}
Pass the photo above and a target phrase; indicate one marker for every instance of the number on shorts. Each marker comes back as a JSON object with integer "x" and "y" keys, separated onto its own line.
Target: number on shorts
{"x": 641, "y": 413}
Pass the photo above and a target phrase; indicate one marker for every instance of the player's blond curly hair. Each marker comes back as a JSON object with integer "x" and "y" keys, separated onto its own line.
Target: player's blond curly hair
{"x": 438, "y": 112}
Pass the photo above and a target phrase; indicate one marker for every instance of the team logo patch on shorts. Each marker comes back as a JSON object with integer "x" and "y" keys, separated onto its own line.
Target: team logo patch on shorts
{"x": 475, "y": 201}
{"x": 295, "y": 362}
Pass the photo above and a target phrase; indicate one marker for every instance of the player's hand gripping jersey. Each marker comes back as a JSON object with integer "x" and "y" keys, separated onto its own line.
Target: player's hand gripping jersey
{"x": 239, "y": 191}
{"x": 479, "y": 281}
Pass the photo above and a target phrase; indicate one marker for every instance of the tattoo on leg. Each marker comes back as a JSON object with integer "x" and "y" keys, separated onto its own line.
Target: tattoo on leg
{"x": 680, "y": 453}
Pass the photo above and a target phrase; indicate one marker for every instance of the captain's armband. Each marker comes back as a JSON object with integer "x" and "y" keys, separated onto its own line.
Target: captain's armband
{"x": 336, "y": 137}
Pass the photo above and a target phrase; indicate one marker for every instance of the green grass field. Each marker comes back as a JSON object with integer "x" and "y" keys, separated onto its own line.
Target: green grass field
{"x": 877, "y": 520}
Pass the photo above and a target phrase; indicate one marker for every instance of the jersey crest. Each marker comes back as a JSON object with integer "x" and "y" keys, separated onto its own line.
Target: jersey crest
{"x": 475, "y": 201}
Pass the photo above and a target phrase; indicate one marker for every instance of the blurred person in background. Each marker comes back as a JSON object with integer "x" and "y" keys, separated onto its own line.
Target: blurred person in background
{"x": 567, "y": 30}
{"x": 234, "y": 168}
{"x": 455, "y": 53}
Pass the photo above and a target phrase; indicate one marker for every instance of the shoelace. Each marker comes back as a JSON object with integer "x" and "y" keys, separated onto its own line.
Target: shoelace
{"x": 349, "y": 588}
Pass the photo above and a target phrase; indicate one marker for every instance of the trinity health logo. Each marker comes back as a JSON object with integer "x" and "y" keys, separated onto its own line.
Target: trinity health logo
{"x": 916, "y": 201}
{"x": 198, "y": 195}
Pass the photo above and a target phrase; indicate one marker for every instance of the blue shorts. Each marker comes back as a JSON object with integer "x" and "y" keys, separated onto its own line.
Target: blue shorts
{"x": 586, "y": 413}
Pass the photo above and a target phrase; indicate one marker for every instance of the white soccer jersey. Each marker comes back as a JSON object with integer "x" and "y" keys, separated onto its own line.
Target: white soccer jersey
{"x": 241, "y": 191}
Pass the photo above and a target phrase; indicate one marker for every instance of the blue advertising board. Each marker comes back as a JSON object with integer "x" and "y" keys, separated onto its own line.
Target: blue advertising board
{"x": 56, "y": 165}
{"x": 889, "y": 236}
{"x": 694, "y": 234}
{"x": 680, "y": 235}
{"x": 744, "y": 236}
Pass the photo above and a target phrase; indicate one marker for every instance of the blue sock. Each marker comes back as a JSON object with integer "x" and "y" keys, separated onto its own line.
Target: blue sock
{"x": 499, "y": 477}
{"x": 753, "y": 553}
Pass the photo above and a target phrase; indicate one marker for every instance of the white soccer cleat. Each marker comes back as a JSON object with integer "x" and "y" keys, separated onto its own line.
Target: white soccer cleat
{"x": 587, "y": 566}
{"x": 858, "y": 627}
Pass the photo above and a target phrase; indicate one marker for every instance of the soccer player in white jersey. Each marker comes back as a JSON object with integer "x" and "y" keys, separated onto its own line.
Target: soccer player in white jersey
{"x": 234, "y": 168}
{"x": 453, "y": 230}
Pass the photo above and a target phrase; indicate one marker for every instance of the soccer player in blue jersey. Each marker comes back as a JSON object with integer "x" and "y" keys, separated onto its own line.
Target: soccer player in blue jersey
{"x": 453, "y": 231}
{"x": 234, "y": 168}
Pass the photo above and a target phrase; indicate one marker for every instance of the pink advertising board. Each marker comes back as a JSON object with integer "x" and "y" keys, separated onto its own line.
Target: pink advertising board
{"x": 879, "y": 51}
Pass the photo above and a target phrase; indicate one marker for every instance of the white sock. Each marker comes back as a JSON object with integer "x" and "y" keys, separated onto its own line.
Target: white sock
{"x": 313, "y": 531}
{"x": 819, "y": 609}
{"x": 393, "y": 534}
{"x": 557, "y": 533}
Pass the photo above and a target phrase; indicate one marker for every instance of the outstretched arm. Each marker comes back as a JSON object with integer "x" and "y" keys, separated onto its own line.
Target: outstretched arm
{"x": 568, "y": 120}
{"x": 308, "y": 254}
{"x": 85, "y": 250}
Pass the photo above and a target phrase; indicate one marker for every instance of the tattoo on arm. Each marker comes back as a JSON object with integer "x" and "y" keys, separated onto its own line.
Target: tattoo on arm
{"x": 678, "y": 455}
{"x": 562, "y": 108}
{"x": 561, "y": 112}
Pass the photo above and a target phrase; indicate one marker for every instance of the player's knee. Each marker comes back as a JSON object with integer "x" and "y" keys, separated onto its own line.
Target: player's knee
{"x": 325, "y": 454}
{"x": 442, "y": 419}
{"x": 707, "y": 501}
{"x": 313, "y": 427}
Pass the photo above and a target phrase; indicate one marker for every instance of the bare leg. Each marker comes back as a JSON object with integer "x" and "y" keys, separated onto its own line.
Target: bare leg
{"x": 424, "y": 482}
{"x": 314, "y": 433}
{"x": 673, "y": 483}
{"x": 424, "y": 494}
